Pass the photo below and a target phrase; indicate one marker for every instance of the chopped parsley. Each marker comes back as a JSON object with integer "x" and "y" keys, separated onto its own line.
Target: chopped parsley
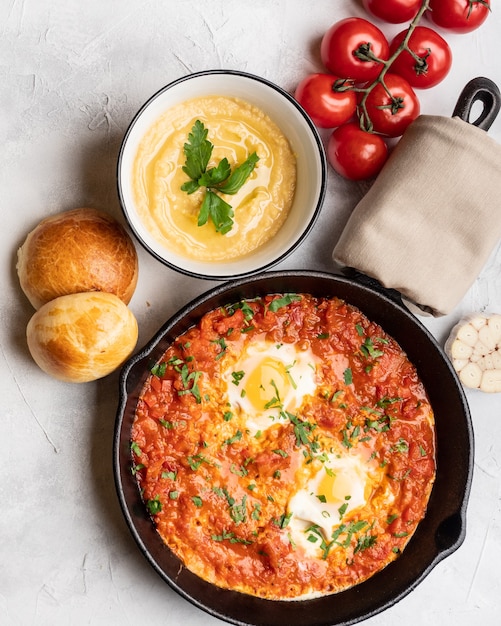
{"x": 303, "y": 431}
{"x": 196, "y": 460}
{"x": 136, "y": 467}
{"x": 154, "y": 505}
{"x": 238, "y": 470}
{"x": 169, "y": 475}
{"x": 244, "y": 306}
{"x": 364, "y": 542}
{"x": 135, "y": 448}
{"x": 229, "y": 536}
{"x": 342, "y": 536}
{"x": 236, "y": 437}
{"x": 236, "y": 377}
{"x": 237, "y": 510}
{"x": 256, "y": 512}
{"x": 281, "y": 453}
{"x": 283, "y": 520}
{"x": 190, "y": 383}
{"x": 348, "y": 376}
{"x": 401, "y": 446}
{"x": 343, "y": 508}
{"x": 222, "y": 344}
{"x": 159, "y": 369}
{"x": 189, "y": 378}
{"x": 275, "y": 402}
{"x": 285, "y": 300}
{"x": 167, "y": 424}
{"x": 369, "y": 350}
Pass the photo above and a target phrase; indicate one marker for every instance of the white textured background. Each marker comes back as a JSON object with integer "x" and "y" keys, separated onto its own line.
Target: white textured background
{"x": 72, "y": 75}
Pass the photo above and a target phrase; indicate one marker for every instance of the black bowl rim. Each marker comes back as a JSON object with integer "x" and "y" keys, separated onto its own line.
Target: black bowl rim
{"x": 449, "y": 535}
{"x": 307, "y": 228}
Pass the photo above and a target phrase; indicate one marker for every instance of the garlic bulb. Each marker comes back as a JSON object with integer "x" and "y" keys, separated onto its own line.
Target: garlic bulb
{"x": 474, "y": 347}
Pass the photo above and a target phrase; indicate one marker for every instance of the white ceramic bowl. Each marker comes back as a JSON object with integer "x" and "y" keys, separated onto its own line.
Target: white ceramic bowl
{"x": 296, "y": 126}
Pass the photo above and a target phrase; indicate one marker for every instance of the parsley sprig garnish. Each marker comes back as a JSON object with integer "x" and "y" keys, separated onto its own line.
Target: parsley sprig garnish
{"x": 215, "y": 180}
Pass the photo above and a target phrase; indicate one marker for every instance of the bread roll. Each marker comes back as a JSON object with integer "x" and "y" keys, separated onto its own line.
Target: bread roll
{"x": 82, "y": 337}
{"x": 75, "y": 251}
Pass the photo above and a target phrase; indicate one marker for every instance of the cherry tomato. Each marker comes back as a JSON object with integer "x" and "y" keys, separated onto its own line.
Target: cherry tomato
{"x": 348, "y": 40}
{"x": 326, "y": 107}
{"x": 355, "y": 154}
{"x": 459, "y": 16}
{"x": 390, "y": 116}
{"x": 434, "y": 52}
{"x": 393, "y": 11}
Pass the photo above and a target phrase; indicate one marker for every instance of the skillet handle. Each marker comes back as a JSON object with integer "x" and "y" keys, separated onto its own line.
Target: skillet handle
{"x": 479, "y": 90}
{"x": 372, "y": 283}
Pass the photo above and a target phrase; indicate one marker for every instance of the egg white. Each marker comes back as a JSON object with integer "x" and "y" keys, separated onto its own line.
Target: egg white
{"x": 269, "y": 379}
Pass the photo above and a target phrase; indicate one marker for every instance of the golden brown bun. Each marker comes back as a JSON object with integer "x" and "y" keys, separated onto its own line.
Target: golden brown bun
{"x": 83, "y": 336}
{"x": 75, "y": 251}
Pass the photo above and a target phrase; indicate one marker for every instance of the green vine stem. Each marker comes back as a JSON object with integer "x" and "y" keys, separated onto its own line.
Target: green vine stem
{"x": 472, "y": 4}
{"x": 364, "y": 53}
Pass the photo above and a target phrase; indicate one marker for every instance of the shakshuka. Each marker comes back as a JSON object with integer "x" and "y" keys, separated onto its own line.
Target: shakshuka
{"x": 284, "y": 447}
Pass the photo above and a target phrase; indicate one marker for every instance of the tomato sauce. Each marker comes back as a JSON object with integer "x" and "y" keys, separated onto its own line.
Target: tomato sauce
{"x": 223, "y": 495}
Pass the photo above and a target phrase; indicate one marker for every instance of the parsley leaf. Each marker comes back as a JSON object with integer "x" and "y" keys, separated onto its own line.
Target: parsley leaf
{"x": 369, "y": 350}
{"x": 239, "y": 175}
{"x": 197, "y": 501}
{"x": 215, "y": 175}
{"x": 159, "y": 369}
{"x": 278, "y": 303}
{"x": 215, "y": 180}
{"x": 283, "y": 520}
{"x": 236, "y": 437}
{"x": 154, "y": 505}
{"x": 364, "y": 542}
{"x": 198, "y": 151}
{"x": 218, "y": 210}
{"x": 348, "y": 376}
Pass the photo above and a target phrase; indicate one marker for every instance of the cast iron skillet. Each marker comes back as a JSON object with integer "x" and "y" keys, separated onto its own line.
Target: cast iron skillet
{"x": 439, "y": 534}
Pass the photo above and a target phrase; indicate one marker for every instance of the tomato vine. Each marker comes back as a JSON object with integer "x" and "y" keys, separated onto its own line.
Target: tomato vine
{"x": 366, "y": 96}
{"x": 365, "y": 53}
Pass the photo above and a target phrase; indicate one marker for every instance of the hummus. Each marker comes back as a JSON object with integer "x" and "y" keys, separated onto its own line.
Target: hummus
{"x": 236, "y": 129}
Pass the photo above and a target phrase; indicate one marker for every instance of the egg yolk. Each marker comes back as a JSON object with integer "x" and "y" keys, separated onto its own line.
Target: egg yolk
{"x": 343, "y": 484}
{"x": 334, "y": 488}
{"x": 267, "y": 384}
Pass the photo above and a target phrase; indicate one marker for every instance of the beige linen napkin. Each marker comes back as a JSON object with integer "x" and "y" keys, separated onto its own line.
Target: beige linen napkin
{"x": 432, "y": 217}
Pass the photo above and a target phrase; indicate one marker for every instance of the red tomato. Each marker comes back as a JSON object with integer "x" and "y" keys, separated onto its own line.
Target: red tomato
{"x": 459, "y": 16}
{"x": 393, "y": 11}
{"x": 390, "y": 116}
{"x": 326, "y": 107}
{"x": 347, "y": 40}
{"x": 355, "y": 154}
{"x": 435, "y": 54}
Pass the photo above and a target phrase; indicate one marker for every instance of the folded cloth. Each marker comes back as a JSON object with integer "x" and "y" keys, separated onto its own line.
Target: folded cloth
{"x": 431, "y": 219}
